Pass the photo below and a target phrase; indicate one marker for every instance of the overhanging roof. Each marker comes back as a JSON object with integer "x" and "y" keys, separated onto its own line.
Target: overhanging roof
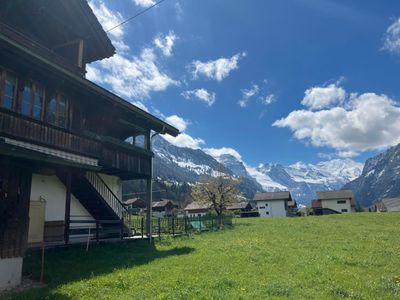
{"x": 272, "y": 196}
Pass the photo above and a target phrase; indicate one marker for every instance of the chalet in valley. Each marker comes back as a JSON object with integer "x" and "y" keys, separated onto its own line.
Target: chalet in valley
{"x": 387, "y": 205}
{"x": 334, "y": 202}
{"x": 197, "y": 209}
{"x": 273, "y": 204}
{"x": 164, "y": 208}
{"x": 63, "y": 139}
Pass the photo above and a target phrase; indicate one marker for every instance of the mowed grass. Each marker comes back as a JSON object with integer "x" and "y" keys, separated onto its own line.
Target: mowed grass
{"x": 330, "y": 257}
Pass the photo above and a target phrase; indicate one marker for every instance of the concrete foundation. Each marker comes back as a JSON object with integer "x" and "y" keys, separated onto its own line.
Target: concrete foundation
{"x": 10, "y": 272}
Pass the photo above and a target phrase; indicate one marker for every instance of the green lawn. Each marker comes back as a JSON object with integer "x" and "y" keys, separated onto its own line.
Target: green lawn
{"x": 331, "y": 257}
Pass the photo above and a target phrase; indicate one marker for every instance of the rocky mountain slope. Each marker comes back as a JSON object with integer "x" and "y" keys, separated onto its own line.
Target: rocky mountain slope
{"x": 380, "y": 178}
{"x": 177, "y": 164}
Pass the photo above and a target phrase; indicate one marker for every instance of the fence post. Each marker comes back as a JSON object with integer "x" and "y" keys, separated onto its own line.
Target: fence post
{"x": 173, "y": 226}
{"x": 159, "y": 228}
{"x": 186, "y": 224}
{"x": 142, "y": 226}
{"x": 97, "y": 230}
{"x": 200, "y": 222}
{"x": 122, "y": 228}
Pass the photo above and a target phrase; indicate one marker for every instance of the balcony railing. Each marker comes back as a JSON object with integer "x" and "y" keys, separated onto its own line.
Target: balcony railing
{"x": 111, "y": 157}
{"x": 35, "y": 46}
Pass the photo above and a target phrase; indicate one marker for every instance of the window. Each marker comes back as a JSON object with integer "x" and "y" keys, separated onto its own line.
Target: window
{"x": 341, "y": 202}
{"x": 31, "y": 99}
{"x": 57, "y": 110}
{"x": 267, "y": 213}
{"x": 344, "y": 210}
{"x": 262, "y": 207}
{"x": 38, "y": 102}
{"x": 9, "y": 87}
{"x": 266, "y": 204}
{"x": 26, "y": 99}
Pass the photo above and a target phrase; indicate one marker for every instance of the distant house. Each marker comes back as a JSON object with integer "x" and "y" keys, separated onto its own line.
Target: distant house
{"x": 292, "y": 208}
{"x": 387, "y": 205}
{"x": 197, "y": 209}
{"x": 164, "y": 208}
{"x": 273, "y": 204}
{"x": 333, "y": 202}
{"x": 135, "y": 205}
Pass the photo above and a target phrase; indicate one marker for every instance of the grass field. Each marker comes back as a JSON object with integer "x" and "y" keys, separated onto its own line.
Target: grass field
{"x": 331, "y": 257}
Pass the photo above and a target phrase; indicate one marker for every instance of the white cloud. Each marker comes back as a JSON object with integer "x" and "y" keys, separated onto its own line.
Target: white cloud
{"x": 367, "y": 122}
{"x": 178, "y": 122}
{"x": 216, "y": 69}
{"x": 391, "y": 40}
{"x": 179, "y": 11}
{"x": 134, "y": 77}
{"x": 201, "y": 94}
{"x": 185, "y": 140}
{"x": 128, "y": 75}
{"x": 144, "y": 3}
{"x": 323, "y": 97}
{"x": 218, "y": 152}
{"x": 267, "y": 100}
{"x": 247, "y": 94}
{"x": 165, "y": 43}
{"x": 107, "y": 18}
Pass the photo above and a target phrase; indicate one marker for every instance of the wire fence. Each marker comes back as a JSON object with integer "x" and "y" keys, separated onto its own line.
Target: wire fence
{"x": 179, "y": 225}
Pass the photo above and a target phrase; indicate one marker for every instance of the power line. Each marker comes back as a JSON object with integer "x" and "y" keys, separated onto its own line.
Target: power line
{"x": 135, "y": 16}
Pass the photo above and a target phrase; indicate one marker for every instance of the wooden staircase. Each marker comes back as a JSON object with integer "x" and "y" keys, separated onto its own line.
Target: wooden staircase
{"x": 100, "y": 201}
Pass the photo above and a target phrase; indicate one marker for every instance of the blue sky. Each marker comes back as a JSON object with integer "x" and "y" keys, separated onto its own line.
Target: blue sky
{"x": 272, "y": 81}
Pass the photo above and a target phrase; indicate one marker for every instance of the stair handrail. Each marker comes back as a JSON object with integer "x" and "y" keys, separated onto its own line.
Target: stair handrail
{"x": 108, "y": 195}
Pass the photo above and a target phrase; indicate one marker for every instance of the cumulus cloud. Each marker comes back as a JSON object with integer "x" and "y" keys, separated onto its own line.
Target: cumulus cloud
{"x": 178, "y": 122}
{"x": 323, "y": 97}
{"x": 218, "y": 152}
{"x": 165, "y": 43}
{"x": 107, "y": 18}
{"x": 128, "y": 75}
{"x": 136, "y": 76}
{"x": 200, "y": 94}
{"x": 366, "y": 122}
{"x": 247, "y": 94}
{"x": 184, "y": 140}
{"x": 216, "y": 69}
{"x": 144, "y": 3}
{"x": 391, "y": 39}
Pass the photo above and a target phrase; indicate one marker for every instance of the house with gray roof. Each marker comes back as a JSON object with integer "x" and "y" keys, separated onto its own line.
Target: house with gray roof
{"x": 273, "y": 204}
{"x": 334, "y": 202}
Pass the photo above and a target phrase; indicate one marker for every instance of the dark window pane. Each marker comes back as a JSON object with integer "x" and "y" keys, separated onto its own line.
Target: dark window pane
{"x": 38, "y": 104}
{"x": 62, "y": 110}
{"x": 9, "y": 91}
{"x": 26, "y": 100}
{"x": 52, "y": 110}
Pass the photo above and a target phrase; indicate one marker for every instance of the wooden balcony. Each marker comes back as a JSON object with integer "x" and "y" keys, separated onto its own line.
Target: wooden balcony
{"x": 9, "y": 33}
{"x": 117, "y": 157}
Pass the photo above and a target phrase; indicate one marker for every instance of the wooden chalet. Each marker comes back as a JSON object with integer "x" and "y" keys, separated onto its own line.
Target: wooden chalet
{"x": 63, "y": 139}
{"x": 164, "y": 208}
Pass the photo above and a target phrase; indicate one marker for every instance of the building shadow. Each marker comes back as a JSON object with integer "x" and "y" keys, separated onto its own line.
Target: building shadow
{"x": 72, "y": 264}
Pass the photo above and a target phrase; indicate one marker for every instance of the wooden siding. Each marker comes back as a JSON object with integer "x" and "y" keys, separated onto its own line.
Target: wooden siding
{"x": 15, "y": 189}
{"x": 113, "y": 157}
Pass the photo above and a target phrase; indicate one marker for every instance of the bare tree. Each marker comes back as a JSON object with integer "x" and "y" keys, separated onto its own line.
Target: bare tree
{"x": 220, "y": 192}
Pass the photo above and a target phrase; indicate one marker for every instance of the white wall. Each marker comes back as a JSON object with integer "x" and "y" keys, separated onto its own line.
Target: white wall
{"x": 276, "y": 208}
{"x": 114, "y": 183}
{"x": 10, "y": 272}
{"x": 196, "y": 214}
{"x": 334, "y": 205}
{"x": 54, "y": 192}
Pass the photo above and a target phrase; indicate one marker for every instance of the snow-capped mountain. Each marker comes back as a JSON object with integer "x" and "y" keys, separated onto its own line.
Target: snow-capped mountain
{"x": 302, "y": 180}
{"x": 380, "y": 178}
{"x": 188, "y": 165}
